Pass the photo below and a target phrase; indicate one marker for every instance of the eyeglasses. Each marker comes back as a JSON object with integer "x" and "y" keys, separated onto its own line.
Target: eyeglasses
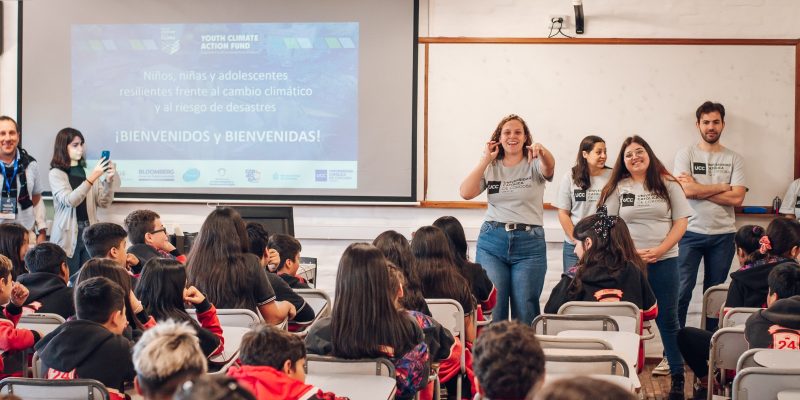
{"x": 163, "y": 229}
{"x": 637, "y": 153}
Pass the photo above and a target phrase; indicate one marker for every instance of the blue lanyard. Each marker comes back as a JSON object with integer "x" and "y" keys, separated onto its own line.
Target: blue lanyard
{"x": 13, "y": 177}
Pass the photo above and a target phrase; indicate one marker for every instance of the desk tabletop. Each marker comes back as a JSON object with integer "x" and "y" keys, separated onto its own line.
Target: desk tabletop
{"x": 356, "y": 387}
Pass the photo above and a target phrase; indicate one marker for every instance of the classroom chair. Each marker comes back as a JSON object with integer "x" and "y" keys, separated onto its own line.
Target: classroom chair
{"x": 737, "y": 316}
{"x": 757, "y": 383}
{"x": 553, "y": 324}
{"x": 450, "y": 315}
{"x": 727, "y": 345}
{"x": 35, "y": 389}
{"x": 713, "y": 301}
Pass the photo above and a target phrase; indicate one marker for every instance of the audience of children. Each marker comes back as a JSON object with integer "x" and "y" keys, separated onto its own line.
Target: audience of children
{"x": 509, "y": 362}
{"x": 163, "y": 291}
{"x": 396, "y": 249}
{"x": 149, "y": 239}
{"x": 14, "y": 245}
{"x": 47, "y": 280}
{"x": 12, "y": 339}
{"x": 165, "y": 357}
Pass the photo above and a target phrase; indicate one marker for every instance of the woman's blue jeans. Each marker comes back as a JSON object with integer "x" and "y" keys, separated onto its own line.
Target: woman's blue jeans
{"x": 516, "y": 262}
{"x": 664, "y": 279}
{"x": 568, "y": 256}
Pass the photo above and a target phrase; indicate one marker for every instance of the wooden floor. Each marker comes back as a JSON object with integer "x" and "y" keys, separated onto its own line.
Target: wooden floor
{"x": 657, "y": 387}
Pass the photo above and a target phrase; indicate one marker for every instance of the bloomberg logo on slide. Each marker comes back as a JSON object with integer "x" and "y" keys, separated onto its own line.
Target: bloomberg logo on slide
{"x": 321, "y": 175}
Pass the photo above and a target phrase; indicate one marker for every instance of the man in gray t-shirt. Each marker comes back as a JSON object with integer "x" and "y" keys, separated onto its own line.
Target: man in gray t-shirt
{"x": 713, "y": 179}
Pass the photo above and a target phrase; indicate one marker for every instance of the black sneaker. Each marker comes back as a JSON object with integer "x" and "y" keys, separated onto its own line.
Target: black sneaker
{"x": 676, "y": 391}
{"x": 700, "y": 392}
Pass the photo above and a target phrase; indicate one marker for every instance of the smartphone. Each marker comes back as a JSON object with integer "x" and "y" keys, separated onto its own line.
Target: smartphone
{"x": 106, "y": 154}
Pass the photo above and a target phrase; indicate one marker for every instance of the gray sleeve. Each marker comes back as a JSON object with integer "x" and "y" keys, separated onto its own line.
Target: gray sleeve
{"x": 537, "y": 171}
{"x": 33, "y": 169}
{"x": 682, "y": 162}
{"x": 563, "y": 199}
{"x": 677, "y": 198}
{"x": 612, "y": 202}
{"x": 737, "y": 173}
{"x": 787, "y": 205}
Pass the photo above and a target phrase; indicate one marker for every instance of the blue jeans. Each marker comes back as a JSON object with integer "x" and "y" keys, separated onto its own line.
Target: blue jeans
{"x": 516, "y": 262}
{"x": 568, "y": 256}
{"x": 717, "y": 252}
{"x": 80, "y": 255}
{"x": 663, "y": 278}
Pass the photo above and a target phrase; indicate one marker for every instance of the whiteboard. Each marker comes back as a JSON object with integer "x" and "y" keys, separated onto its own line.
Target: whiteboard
{"x": 565, "y": 92}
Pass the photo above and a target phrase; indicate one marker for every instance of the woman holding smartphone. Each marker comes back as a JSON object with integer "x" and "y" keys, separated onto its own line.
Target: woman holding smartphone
{"x": 77, "y": 193}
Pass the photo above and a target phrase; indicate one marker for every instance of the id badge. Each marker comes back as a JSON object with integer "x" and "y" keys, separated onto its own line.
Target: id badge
{"x": 8, "y": 208}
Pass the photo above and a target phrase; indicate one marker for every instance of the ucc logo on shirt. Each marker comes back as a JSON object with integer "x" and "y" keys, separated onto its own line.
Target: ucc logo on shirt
{"x": 580, "y": 195}
{"x": 628, "y": 199}
{"x": 493, "y": 187}
{"x": 699, "y": 168}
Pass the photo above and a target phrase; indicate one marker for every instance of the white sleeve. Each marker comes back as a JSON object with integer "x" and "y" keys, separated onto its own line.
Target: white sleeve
{"x": 790, "y": 198}
{"x": 677, "y": 199}
{"x": 564, "y": 198}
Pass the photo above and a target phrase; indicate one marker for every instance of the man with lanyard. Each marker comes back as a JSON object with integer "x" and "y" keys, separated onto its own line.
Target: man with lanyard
{"x": 713, "y": 179}
{"x": 21, "y": 191}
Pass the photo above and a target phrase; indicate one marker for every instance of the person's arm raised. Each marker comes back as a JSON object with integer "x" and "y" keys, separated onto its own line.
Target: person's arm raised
{"x": 471, "y": 186}
{"x": 547, "y": 163}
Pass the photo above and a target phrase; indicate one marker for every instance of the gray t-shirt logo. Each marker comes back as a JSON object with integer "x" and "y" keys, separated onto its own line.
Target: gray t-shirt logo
{"x": 628, "y": 199}
{"x": 797, "y": 202}
{"x": 580, "y": 195}
{"x": 493, "y": 187}
{"x": 699, "y": 168}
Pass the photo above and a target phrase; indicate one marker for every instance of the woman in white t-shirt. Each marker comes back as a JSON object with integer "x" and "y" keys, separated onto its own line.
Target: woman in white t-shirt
{"x": 511, "y": 247}
{"x": 652, "y": 202}
{"x": 580, "y": 190}
{"x": 790, "y": 206}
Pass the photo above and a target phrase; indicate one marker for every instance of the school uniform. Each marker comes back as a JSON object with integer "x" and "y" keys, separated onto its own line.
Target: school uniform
{"x": 777, "y": 327}
{"x": 144, "y": 252}
{"x": 481, "y": 286}
{"x": 86, "y": 349}
{"x": 13, "y": 341}
{"x": 294, "y": 281}
{"x": 305, "y": 314}
{"x": 268, "y": 383}
{"x": 48, "y": 293}
{"x": 749, "y": 286}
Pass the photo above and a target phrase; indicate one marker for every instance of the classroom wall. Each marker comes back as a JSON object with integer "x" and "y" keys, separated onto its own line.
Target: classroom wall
{"x": 326, "y": 230}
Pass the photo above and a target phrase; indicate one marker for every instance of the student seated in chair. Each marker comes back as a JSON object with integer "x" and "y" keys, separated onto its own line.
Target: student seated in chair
{"x": 12, "y": 339}
{"x": 778, "y": 326}
{"x": 47, "y": 280}
{"x": 91, "y": 346}
{"x": 165, "y": 357}
{"x": 107, "y": 240}
{"x": 508, "y": 361}
{"x": 149, "y": 239}
{"x": 273, "y": 366}
{"x": 288, "y": 249}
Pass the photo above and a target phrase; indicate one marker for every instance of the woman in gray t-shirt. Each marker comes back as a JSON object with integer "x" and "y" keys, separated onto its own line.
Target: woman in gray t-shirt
{"x": 511, "y": 247}
{"x": 651, "y": 201}
{"x": 580, "y": 190}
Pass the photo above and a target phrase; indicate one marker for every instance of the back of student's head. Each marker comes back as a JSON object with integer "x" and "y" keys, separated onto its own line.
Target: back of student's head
{"x": 166, "y": 356}
{"x": 438, "y": 274}
{"x": 13, "y": 237}
{"x": 287, "y": 246}
{"x": 508, "y": 360}
{"x": 583, "y": 388}
{"x": 97, "y": 298}
{"x": 784, "y": 236}
{"x": 140, "y": 222}
{"x": 454, "y": 232}
{"x": 397, "y": 250}
{"x": 747, "y": 239}
{"x": 258, "y": 237}
{"x": 269, "y": 346}
{"x": 101, "y": 237}
{"x": 101, "y": 267}
{"x": 212, "y": 387}
{"x": 784, "y": 280}
{"x": 160, "y": 289}
{"x": 364, "y": 318}
{"x": 46, "y": 257}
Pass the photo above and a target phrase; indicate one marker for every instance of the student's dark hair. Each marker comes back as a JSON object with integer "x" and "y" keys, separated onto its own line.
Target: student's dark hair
{"x": 438, "y": 273}
{"x": 497, "y": 131}
{"x": 580, "y": 171}
{"x": 784, "y": 280}
{"x": 212, "y": 387}
{"x": 109, "y": 269}
{"x": 783, "y": 234}
{"x": 747, "y": 238}
{"x": 396, "y": 249}
{"x": 12, "y": 238}
{"x": 97, "y": 298}
{"x": 610, "y": 252}
{"x": 709, "y": 107}
{"x": 654, "y": 176}
{"x": 287, "y": 246}
{"x": 46, "y": 257}
{"x": 5, "y": 267}
{"x": 140, "y": 222}
{"x": 268, "y": 346}
{"x": 217, "y": 262}
{"x": 582, "y": 388}
{"x": 501, "y": 345}
{"x": 101, "y": 237}
{"x": 257, "y": 236}
{"x": 160, "y": 289}
{"x": 364, "y": 318}
{"x": 61, "y": 158}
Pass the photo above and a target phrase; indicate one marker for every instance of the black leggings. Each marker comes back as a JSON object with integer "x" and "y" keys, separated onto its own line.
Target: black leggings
{"x": 694, "y": 345}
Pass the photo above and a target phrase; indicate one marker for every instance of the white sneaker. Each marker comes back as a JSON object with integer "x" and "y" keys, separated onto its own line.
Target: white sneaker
{"x": 662, "y": 368}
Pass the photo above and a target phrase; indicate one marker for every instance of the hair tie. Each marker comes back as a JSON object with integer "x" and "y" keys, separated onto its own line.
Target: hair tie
{"x": 604, "y": 223}
{"x": 765, "y": 244}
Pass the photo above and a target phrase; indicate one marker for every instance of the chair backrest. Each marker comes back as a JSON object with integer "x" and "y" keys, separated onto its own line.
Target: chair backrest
{"x": 727, "y": 345}
{"x": 626, "y": 314}
{"x": 737, "y": 316}
{"x": 584, "y": 362}
{"x": 233, "y": 317}
{"x": 36, "y": 365}
{"x": 562, "y": 342}
{"x": 308, "y": 270}
{"x": 756, "y": 383}
{"x": 450, "y": 314}
{"x": 552, "y": 324}
{"x": 770, "y": 358}
{"x": 43, "y": 323}
{"x": 319, "y": 301}
{"x": 34, "y": 389}
{"x": 326, "y": 365}
{"x": 713, "y": 299}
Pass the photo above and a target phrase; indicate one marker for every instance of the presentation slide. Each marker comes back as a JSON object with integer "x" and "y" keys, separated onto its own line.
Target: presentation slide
{"x": 215, "y": 105}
